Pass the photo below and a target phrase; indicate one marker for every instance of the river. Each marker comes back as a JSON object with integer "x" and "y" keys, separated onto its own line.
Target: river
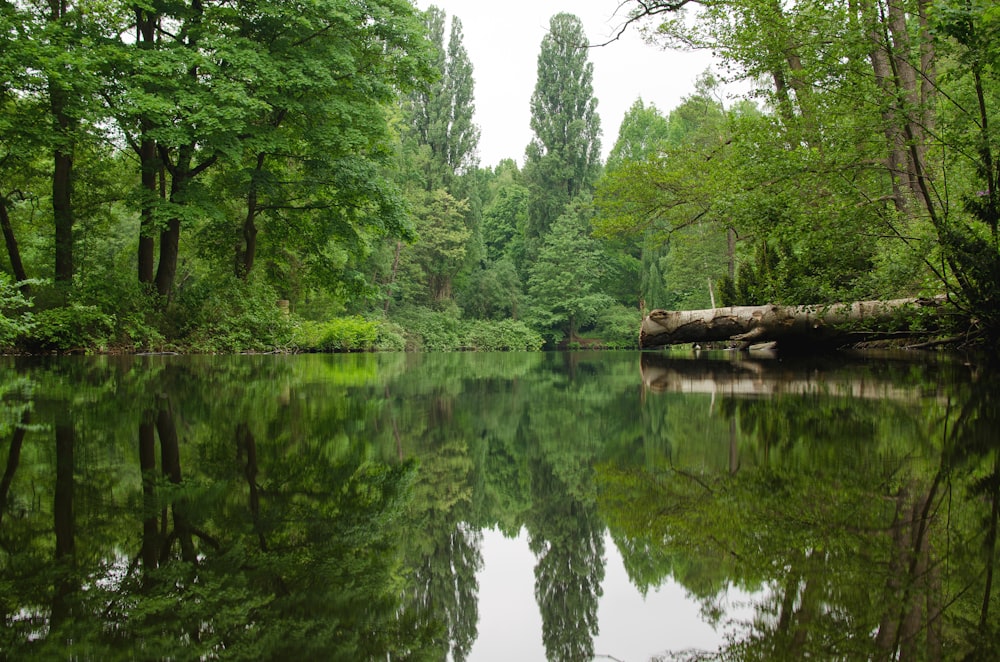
{"x": 512, "y": 506}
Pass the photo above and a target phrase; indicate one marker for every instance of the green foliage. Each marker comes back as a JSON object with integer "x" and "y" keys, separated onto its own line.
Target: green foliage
{"x": 346, "y": 334}
{"x": 15, "y": 319}
{"x": 135, "y": 310}
{"x": 432, "y": 330}
{"x": 431, "y": 264}
{"x": 445, "y": 331}
{"x": 562, "y": 160}
{"x": 229, "y": 314}
{"x": 390, "y": 338}
{"x": 501, "y": 336}
{"x": 494, "y": 292}
{"x": 505, "y": 221}
{"x": 616, "y": 327}
{"x": 642, "y": 134}
{"x": 75, "y": 327}
{"x": 441, "y": 112}
{"x": 565, "y": 280}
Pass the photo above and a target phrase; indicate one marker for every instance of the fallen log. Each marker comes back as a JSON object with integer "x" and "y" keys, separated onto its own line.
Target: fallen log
{"x": 823, "y": 325}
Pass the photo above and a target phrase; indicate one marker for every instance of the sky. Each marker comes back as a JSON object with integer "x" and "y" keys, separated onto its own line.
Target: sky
{"x": 503, "y": 40}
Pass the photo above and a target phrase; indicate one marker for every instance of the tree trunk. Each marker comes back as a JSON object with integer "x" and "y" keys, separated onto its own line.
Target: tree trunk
{"x": 247, "y": 252}
{"x": 822, "y": 324}
{"x": 392, "y": 278}
{"x": 148, "y": 166}
{"x": 62, "y": 167}
{"x": 64, "y": 521}
{"x": 909, "y": 94}
{"x": 13, "y": 252}
{"x": 752, "y": 377}
{"x": 246, "y": 443}
{"x": 896, "y": 159}
{"x": 166, "y": 271}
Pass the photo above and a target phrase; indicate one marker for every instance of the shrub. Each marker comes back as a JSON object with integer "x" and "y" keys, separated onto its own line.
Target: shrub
{"x": 391, "y": 338}
{"x": 618, "y": 327}
{"x": 504, "y": 335}
{"x": 134, "y": 307}
{"x": 344, "y": 334}
{"x": 70, "y": 328}
{"x": 228, "y": 315}
{"x": 15, "y": 319}
{"x": 431, "y": 330}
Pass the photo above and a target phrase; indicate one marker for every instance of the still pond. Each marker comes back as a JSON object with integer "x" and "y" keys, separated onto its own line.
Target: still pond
{"x": 523, "y": 506}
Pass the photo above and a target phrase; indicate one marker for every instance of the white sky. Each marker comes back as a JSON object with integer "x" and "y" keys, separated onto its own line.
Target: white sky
{"x": 503, "y": 39}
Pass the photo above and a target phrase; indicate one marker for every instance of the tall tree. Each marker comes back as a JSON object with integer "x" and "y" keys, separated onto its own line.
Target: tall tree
{"x": 441, "y": 114}
{"x": 63, "y": 79}
{"x": 20, "y": 138}
{"x": 440, "y": 250}
{"x": 563, "y": 157}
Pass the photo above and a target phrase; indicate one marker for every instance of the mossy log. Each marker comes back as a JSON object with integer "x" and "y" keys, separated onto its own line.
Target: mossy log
{"x": 820, "y": 325}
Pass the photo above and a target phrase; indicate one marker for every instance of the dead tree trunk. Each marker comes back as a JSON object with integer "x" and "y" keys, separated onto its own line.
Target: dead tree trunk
{"x": 813, "y": 324}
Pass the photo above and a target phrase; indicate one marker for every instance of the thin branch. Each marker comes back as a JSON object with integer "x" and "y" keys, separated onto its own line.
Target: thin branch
{"x": 646, "y": 10}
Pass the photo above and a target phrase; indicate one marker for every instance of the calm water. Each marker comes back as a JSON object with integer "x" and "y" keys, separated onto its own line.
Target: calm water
{"x": 567, "y": 506}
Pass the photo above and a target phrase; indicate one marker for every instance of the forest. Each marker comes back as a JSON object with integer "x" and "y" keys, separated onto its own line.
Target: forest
{"x": 258, "y": 175}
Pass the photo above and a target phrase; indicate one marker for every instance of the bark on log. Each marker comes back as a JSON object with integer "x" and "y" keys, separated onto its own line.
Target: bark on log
{"x": 811, "y": 324}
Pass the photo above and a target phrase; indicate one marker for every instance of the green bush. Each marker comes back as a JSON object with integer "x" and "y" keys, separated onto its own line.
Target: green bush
{"x": 391, "y": 338}
{"x": 618, "y": 327}
{"x": 344, "y": 334}
{"x": 231, "y": 315}
{"x": 76, "y": 327}
{"x": 431, "y": 330}
{"x": 134, "y": 308}
{"x": 15, "y": 319}
{"x": 504, "y": 335}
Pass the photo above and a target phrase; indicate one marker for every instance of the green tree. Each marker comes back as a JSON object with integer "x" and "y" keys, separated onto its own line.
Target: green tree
{"x": 567, "y": 538}
{"x": 869, "y": 167}
{"x": 54, "y": 68}
{"x": 266, "y": 108}
{"x": 441, "y": 113}
{"x": 642, "y": 136}
{"x": 563, "y": 158}
{"x": 20, "y": 136}
{"x": 432, "y": 263}
{"x": 565, "y": 281}
{"x": 661, "y": 201}
{"x": 644, "y": 131}
{"x": 506, "y": 215}
{"x": 329, "y": 188}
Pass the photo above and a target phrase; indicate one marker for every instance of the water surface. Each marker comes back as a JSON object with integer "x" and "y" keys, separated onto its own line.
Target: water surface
{"x": 561, "y": 506}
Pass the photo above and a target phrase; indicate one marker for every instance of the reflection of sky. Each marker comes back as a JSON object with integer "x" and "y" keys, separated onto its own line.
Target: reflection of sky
{"x": 632, "y": 628}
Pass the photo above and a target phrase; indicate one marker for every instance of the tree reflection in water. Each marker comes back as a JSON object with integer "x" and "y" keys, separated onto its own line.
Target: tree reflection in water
{"x": 331, "y": 506}
{"x": 869, "y": 522}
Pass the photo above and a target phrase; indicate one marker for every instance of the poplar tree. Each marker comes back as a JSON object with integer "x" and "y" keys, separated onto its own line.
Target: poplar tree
{"x": 563, "y": 157}
{"x": 441, "y": 114}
